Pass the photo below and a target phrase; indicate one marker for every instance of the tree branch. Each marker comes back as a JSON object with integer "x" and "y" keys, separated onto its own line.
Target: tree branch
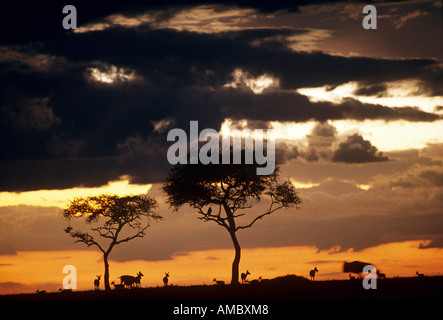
{"x": 83, "y": 237}
{"x": 208, "y": 216}
{"x": 139, "y": 234}
{"x": 107, "y": 234}
{"x": 259, "y": 217}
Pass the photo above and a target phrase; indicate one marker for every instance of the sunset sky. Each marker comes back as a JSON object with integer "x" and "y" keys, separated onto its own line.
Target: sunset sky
{"x": 357, "y": 114}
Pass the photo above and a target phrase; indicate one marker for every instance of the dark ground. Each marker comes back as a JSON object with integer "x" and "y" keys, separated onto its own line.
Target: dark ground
{"x": 282, "y": 288}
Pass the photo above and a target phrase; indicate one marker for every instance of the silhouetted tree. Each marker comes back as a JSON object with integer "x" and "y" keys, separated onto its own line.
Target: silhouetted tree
{"x": 117, "y": 214}
{"x": 230, "y": 189}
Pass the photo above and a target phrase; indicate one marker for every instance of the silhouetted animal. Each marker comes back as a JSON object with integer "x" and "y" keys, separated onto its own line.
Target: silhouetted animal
{"x": 219, "y": 282}
{"x": 312, "y": 273}
{"x": 255, "y": 281}
{"x": 165, "y": 279}
{"x": 243, "y": 276}
{"x": 118, "y": 286}
{"x": 381, "y": 275}
{"x": 130, "y": 280}
{"x": 40, "y": 291}
{"x": 351, "y": 277}
{"x": 97, "y": 282}
{"x": 138, "y": 279}
{"x": 420, "y": 275}
{"x": 355, "y": 266}
{"x": 64, "y": 290}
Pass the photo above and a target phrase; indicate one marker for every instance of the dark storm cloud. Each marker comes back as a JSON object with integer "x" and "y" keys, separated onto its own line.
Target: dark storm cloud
{"x": 378, "y": 90}
{"x": 62, "y": 128}
{"x": 357, "y": 150}
{"x": 289, "y": 106}
{"x": 320, "y": 146}
{"x": 431, "y": 81}
{"x": 285, "y": 152}
{"x": 182, "y": 58}
{"x": 436, "y": 242}
{"x": 320, "y": 141}
{"x": 40, "y": 21}
{"x": 171, "y": 58}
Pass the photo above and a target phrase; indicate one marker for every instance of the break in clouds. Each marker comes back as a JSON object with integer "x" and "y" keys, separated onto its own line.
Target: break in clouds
{"x": 83, "y": 107}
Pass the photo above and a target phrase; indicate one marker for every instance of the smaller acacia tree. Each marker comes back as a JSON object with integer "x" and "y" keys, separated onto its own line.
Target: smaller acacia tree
{"x": 117, "y": 214}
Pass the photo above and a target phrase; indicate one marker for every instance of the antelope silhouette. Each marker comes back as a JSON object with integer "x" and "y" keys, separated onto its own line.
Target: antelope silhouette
{"x": 312, "y": 273}
{"x": 166, "y": 279}
{"x": 218, "y": 282}
{"x": 243, "y": 276}
{"x": 118, "y": 286}
{"x": 97, "y": 282}
{"x": 130, "y": 280}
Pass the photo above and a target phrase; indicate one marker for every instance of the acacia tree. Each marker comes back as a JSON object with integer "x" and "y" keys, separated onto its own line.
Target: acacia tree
{"x": 119, "y": 215}
{"x": 231, "y": 190}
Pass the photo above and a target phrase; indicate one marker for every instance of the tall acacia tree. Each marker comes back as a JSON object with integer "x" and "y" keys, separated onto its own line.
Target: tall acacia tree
{"x": 222, "y": 193}
{"x": 115, "y": 216}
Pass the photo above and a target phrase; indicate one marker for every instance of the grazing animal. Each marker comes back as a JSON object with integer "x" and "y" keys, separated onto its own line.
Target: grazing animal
{"x": 420, "y": 275}
{"x": 97, "y": 282}
{"x": 219, "y": 282}
{"x": 312, "y": 273}
{"x": 64, "y": 290}
{"x": 40, "y": 291}
{"x": 166, "y": 279}
{"x": 118, "y": 286}
{"x": 355, "y": 266}
{"x": 255, "y": 281}
{"x": 138, "y": 279}
{"x": 243, "y": 276}
{"x": 128, "y": 281}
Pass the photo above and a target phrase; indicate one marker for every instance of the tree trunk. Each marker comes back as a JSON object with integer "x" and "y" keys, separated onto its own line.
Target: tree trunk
{"x": 236, "y": 262}
{"x": 231, "y": 229}
{"x": 106, "y": 277}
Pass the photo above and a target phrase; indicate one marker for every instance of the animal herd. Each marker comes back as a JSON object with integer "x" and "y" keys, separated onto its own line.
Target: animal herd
{"x": 355, "y": 267}
{"x": 129, "y": 282}
{"x": 126, "y": 281}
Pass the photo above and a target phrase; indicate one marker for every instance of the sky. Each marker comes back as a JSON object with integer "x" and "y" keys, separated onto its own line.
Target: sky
{"x": 357, "y": 115}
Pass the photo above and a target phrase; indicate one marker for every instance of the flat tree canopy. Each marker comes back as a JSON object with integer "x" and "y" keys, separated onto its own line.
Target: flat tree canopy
{"x": 222, "y": 193}
{"x": 115, "y": 214}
